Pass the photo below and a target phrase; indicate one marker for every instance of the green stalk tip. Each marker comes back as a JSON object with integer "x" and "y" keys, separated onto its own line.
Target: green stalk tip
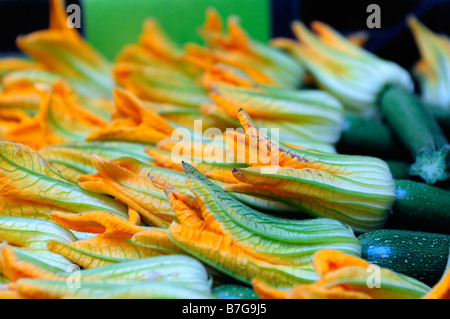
{"x": 430, "y": 166}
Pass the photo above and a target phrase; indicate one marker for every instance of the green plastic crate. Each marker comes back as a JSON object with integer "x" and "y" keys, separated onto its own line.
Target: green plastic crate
{"x": 110, "y": 24}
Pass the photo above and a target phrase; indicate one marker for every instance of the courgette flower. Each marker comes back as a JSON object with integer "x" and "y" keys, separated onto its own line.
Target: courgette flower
{"x": 74, "y": 159}
{"x": 263, "y": 62}
{"x": 63, "y": 116}
{"x": 169, "y": 276}
{"x": 311, "y": 118}
{"x": 30, "y": 186}
{"x": 354, "y": 75}
{"x": 359, "y": 191}
{"x": 433, "y": 69}
{"x": 245, "y": 243}
{"x": 348, "y": 277}
{"x": 132, "y": 122}
{"x": 154, "y": 69}
{"x": 61, "y": 49}
{"x": 115, "y": 240}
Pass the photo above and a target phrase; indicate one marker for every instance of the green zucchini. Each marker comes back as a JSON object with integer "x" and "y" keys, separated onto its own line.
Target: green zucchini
{"x": 231, "y": 291}
{"x": 363, "y": 136}
{"x": 419, "y": 206}
{"x": 416, "y": 254}
{"x": 419, "y": 131}
{"x": 399, "y": 169}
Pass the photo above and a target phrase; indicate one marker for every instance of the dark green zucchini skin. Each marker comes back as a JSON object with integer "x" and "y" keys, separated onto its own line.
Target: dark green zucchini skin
{"x": 419, "y": 206}
{"x": 370, "y": 137}
{"x": 232, "y": 291}
{"x": 359, "y": 132}
{"x": 399, "y": 169}
{"x": 420, "y": 255}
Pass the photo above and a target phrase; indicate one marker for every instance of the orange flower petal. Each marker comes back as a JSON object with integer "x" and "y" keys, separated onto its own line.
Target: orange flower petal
{"x": 185, "y": 206}
{"x": 110, "y": 246}
{"x": 265, "y": 291}
{"x": 442, "y": 289}
{"x": 14, "y": 268}
{"x": 326, "y": 261}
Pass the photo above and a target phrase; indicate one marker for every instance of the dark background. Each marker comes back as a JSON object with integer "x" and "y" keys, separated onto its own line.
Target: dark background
{"x": 392, "y": 41}
{"x": 22, "y": 17}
